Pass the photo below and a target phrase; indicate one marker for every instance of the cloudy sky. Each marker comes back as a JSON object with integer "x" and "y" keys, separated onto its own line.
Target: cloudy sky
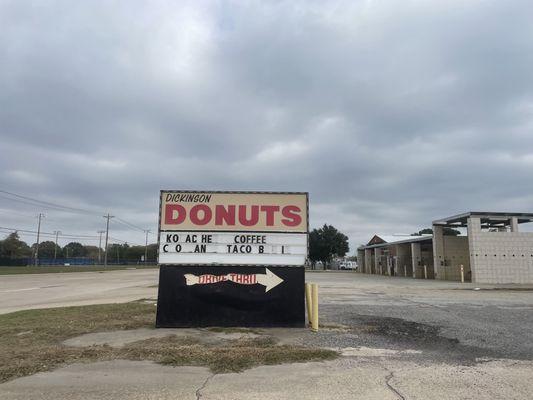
{"x": 389, "y": 113}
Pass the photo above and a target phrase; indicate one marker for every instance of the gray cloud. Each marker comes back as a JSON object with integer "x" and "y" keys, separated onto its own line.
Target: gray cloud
{"x": 389, "y": 113}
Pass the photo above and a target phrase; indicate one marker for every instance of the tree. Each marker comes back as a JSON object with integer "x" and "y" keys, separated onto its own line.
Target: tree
{"x": 92, "y": 252}
{"x": 134, "y": 253}
{"x": 13, "y": 247}
{"x": 117, "y": 252}
{"x": 447, "y": 231}
{"x": 74, "y": 249}
{"x": 326, "y": 242}
{"x": 46, "y": 250}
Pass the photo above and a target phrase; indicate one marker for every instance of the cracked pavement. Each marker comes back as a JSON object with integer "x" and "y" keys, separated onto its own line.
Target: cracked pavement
{"x": 399, "y": 338}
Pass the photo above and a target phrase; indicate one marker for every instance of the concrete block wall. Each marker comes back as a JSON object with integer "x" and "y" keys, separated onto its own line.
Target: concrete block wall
{"x": 360, "y": 260}
{"x": 502, "y": 257}
{"x": 438, "y": 252}
{"x": 368, "y": 261}
{"x": 427, "y": 259}
{"x": 378, "y": 260}
{"x": 456, "y": 253}
{"x": 416, "y": 261}
{"x": 403, "y": 260}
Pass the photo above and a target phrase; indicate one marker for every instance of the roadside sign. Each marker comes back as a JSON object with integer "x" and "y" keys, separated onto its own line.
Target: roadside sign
{"x": 232, "y": 258}
{"x": 233, "y": 228}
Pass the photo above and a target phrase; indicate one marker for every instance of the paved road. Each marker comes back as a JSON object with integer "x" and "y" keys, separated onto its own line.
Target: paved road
{"x": 402, "y": 339}
{"x": 19, "y": 292}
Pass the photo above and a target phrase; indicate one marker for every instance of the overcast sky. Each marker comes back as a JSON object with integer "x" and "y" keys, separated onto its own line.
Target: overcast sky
{"x": 389, "y": 113}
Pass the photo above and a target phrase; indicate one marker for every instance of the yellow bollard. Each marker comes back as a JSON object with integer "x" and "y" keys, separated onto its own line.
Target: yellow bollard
{"x": 462, "y": 274}
{"x": 308, "y": 301}
{"x": 314, "y": 296}
{"x": 425, "y": 272}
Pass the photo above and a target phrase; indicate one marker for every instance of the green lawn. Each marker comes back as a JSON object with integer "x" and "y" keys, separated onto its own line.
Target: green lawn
{"x": 73, "y": 268}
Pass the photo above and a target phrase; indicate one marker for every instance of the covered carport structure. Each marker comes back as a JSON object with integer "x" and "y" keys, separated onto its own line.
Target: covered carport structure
{"x": 494, "y": 250}
{"x": 397, "y": 255}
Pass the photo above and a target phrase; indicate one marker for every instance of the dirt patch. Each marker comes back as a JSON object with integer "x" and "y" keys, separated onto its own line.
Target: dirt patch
{"x": 400, "y": 329}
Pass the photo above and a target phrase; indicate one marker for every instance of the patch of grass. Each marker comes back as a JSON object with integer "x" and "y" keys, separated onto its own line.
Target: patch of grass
{"x": 31, "y": 342}
{"x": 73, "y": 268}
{"x": 232, "y": 356}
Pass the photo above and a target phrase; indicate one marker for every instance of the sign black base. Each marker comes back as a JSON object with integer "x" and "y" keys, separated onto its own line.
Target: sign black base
{"x": 233, "y": 302}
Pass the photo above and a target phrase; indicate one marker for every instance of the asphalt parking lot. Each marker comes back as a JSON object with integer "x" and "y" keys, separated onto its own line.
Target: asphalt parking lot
{"x": 398, "y": 338}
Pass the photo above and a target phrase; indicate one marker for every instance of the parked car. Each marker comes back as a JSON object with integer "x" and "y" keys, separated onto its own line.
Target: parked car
{"x": 348, "y": 265}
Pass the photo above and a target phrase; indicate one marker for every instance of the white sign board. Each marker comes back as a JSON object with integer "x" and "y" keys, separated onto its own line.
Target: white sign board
{"x": 222, "y": 228}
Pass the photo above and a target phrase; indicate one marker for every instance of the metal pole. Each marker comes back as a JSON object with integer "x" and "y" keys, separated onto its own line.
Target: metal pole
{"x": 106, "y": 237}
{"x": 37, "y": 244}
{"x": 55, "y": 248}
{"x": 100, "y": 248}
{"x": 146, "y": 246}
{"x": 462, "y": 274}
{"x": 314, "y": 296}
{"x": 308, "y": 302}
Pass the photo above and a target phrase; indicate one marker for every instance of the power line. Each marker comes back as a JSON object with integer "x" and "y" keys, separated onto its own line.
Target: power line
{"x": 124, "y": 241}
{"x": 49, "y": 204}
{"x": 59, "y": 207}
{"x": 26, "y": 231}
{"x": 11, "y": 212}
{"x": 47, "y": 236}
{"x": 65, "y": 236}
{"x": 128, "y": 224}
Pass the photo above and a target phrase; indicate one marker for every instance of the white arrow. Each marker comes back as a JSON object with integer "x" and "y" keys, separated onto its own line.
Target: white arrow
{"x": 269, "y": 280}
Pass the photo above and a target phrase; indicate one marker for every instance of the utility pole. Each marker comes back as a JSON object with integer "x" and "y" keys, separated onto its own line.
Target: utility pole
{"x": 100, "y": 248}
{"x": 108, "y": 217}
{"x": 55, "y": 248}
{"x": 38, "y": 236}
{"x": 146, "y": 231}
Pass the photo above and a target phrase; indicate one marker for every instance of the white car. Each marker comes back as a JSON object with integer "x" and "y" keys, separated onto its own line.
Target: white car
{"x": 348, "y": 265}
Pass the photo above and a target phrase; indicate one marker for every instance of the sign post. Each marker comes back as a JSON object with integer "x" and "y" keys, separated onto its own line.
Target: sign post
{"x": 232, "y": 258}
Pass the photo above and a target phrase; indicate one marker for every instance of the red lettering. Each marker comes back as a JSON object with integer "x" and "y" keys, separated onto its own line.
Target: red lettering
{"x": 170, "y": 209}
{"x": 270, "y": 211}
{"x": 224, "y": 216}
{"x": 254, "y": 218}
{"x": 291, "y": 216}
{"x": 194, "y": 214}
